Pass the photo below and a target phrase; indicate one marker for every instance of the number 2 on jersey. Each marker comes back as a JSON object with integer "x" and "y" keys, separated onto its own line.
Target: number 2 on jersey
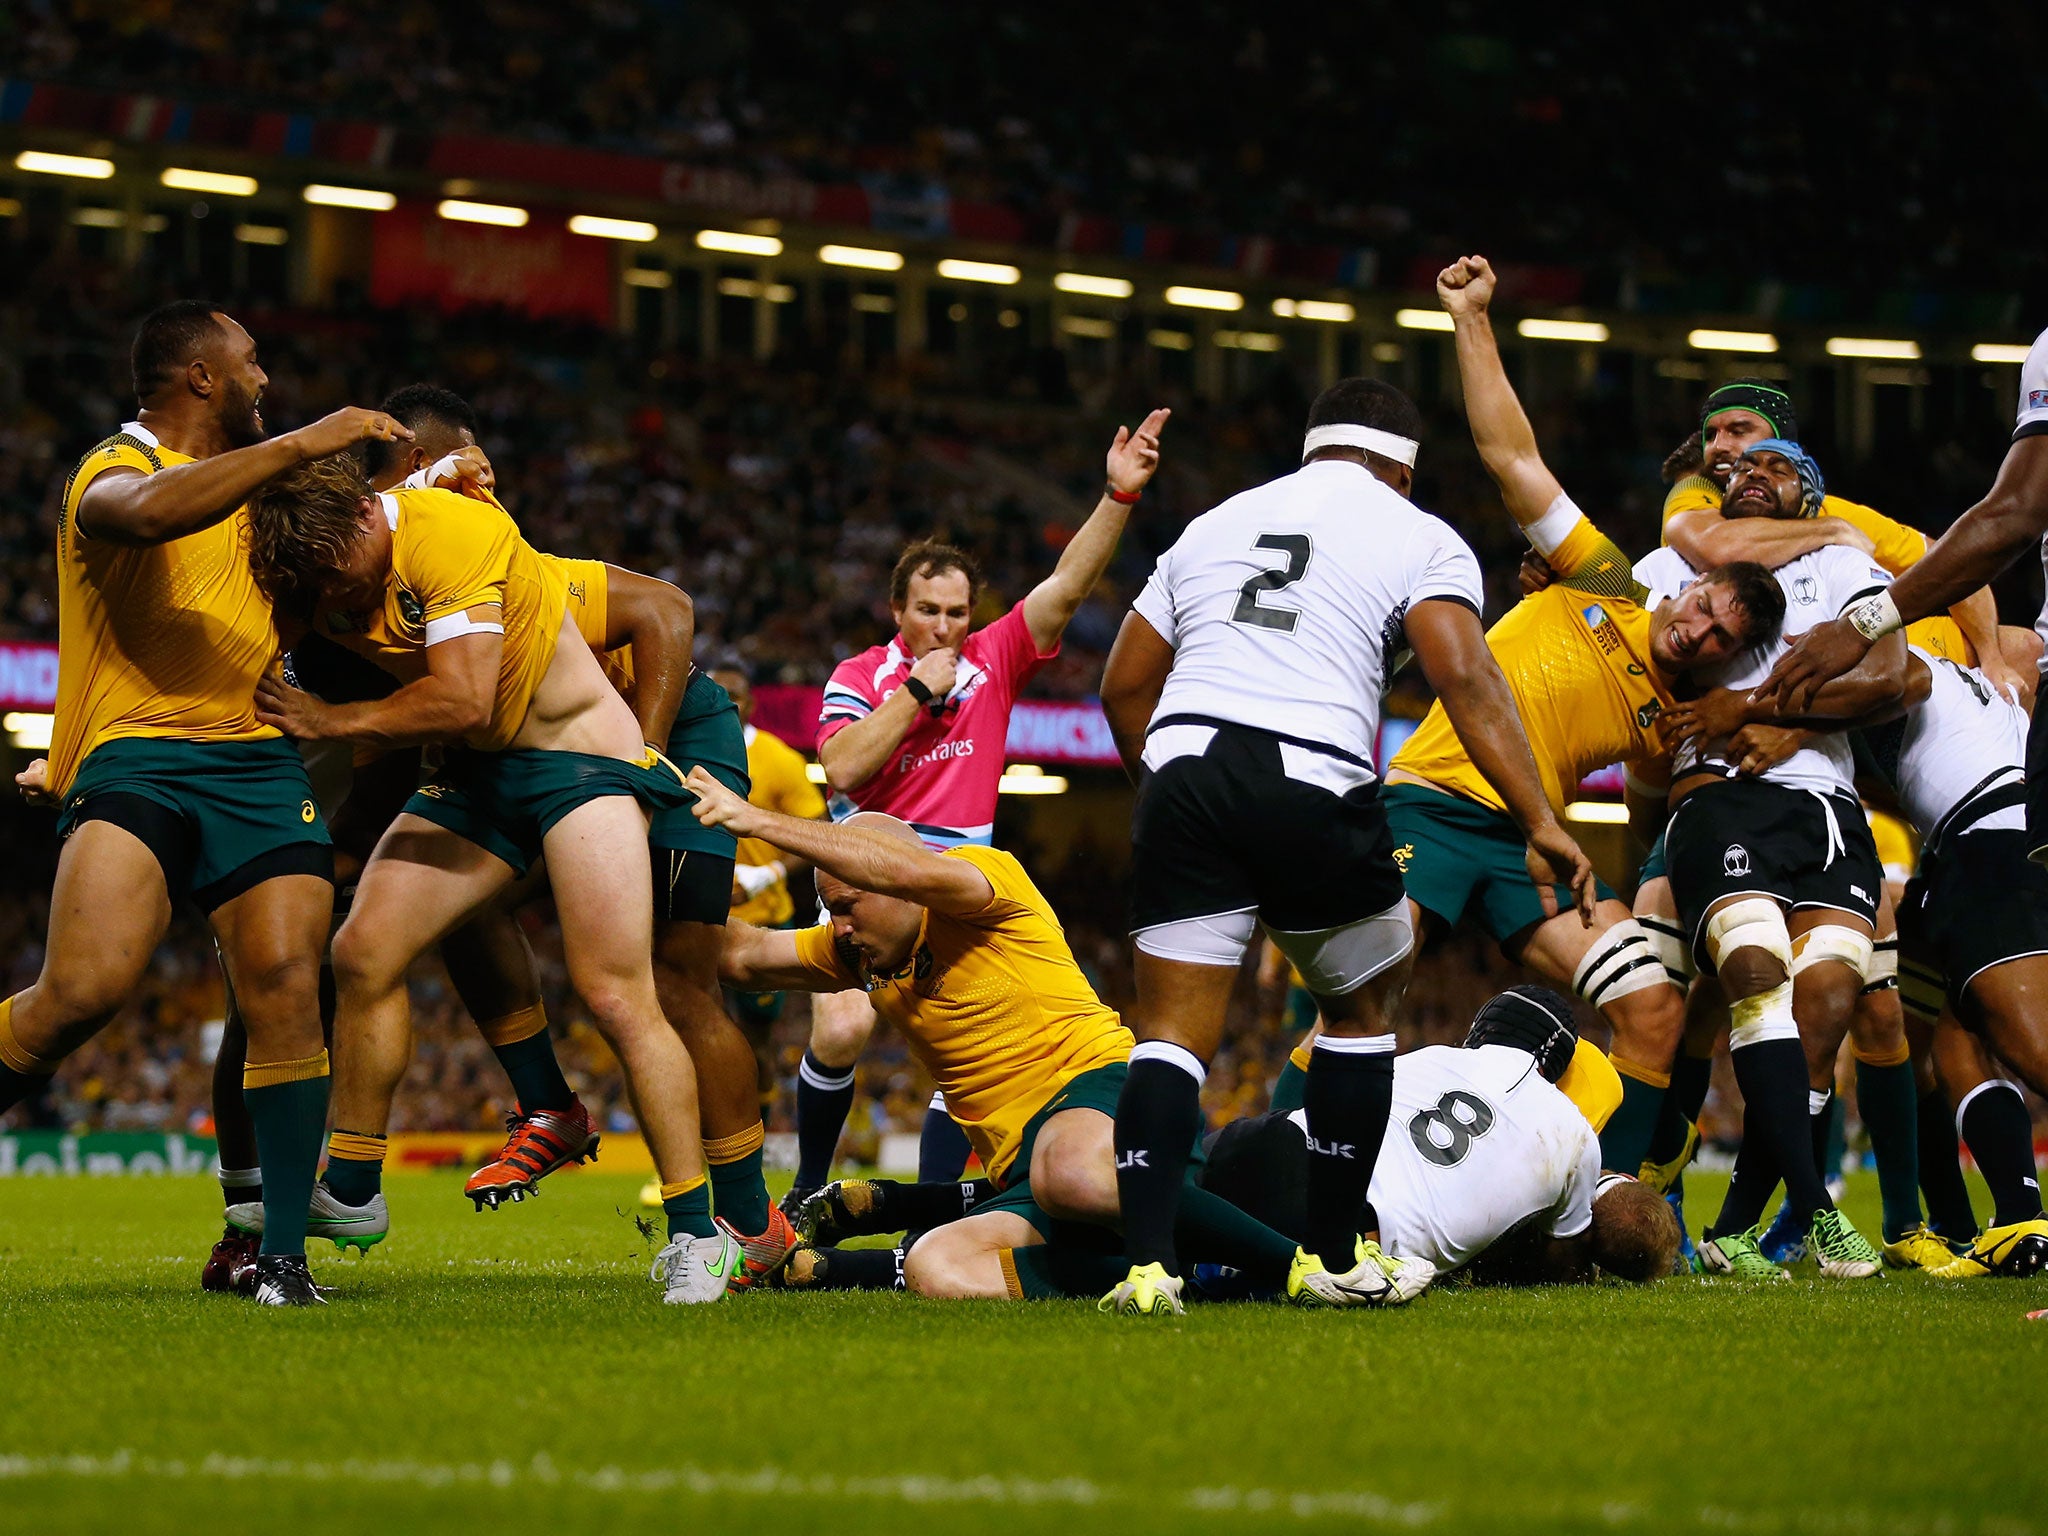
{"x": 1445, "y": 1133}
{"x": 1297, "y": 547}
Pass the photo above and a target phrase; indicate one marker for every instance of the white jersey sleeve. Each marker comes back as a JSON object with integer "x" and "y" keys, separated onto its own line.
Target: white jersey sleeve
{"x": 1573, "y": 1212}
{"x": 1155, "y": 604}
{"x": 1666, "y": 573}
{"x": 2034, "y": 390}
{"x": 1964, "y": 739}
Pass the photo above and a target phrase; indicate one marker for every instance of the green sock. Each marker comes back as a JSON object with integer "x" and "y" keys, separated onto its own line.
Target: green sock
{"x": 536, "y": 1074}
{"x": 690, "y": 1211}
{"x": 352, "y": 1178}
{"x": 1289, "y": 1089}
{"x": 1210, "y": 1230}
{"x": 740, "y": 1192}
{"x": 1890, "y": 1104}
{"x": 290, "y": 1119}
{"x": 1050, "y": 1271}
{"x": 1625, "y": 1143}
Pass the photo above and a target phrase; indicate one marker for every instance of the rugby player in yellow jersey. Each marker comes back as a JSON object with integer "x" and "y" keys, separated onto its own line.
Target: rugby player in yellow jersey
{"x": 169, "y": 785}
{"x": 1592, "y": 664}
{"x": 964, "y": 955}
{"x": 1746, "y": 411}
{"x": 544, "y": 757}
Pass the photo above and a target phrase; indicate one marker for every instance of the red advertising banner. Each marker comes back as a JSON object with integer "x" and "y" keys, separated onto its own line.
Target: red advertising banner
{"x": 28, "y": 676}
{"x": 540, "y": 270}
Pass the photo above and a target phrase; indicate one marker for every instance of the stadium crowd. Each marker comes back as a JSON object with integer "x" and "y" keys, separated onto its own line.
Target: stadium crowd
{"x": 1333, "y": 134}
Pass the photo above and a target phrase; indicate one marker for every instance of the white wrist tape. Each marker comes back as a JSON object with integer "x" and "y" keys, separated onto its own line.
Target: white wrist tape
{"x": 1875, "y": 617}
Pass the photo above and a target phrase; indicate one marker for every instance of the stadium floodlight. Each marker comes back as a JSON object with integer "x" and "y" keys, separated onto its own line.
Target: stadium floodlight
{"x": 1095, "y": 287}
{"x": 731, "y": 240}
{"x": 98, "y": 218}
{"x": 350, "y": 197}
{"x": 1326, "y": 311}
{"x": 1029, "y": 779}
{"x": 1611, "y": 812}
{"x": 1731, "y": 341}
{"x": 1561, "y": 330}
{"x": 90, "y": 167}
{"x": 862, "y": 256}
{"x": 1088, "y": 326}
{"x": 262, "y": 234}
{"x": 1204, "y": 298}
{"x": 1249, "y": 341}
{"x": 1998, "y": 352}
{"x": 501, "y": 214}
{"x": 979, "y": 271}
{"x": 1868, "y": 346}
{"x": 1171, "y": 341}
{"x": 1423, "y": 320}
{"x": 219, "y": 183}
{"x": 647, "y": 277}
{"x": 29, "y": 731}
{"x": 611, "y": 229}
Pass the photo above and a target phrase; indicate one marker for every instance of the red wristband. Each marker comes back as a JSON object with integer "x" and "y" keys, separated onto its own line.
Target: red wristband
{"x": 1120, "y": 498}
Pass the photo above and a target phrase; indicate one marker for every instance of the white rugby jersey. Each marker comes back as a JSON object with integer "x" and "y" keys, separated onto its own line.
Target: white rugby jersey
{"x": 1478, "y": 1144}
{"x": 1964, "y": 739}
{"x": 2033, "y": 419}
{"x": 1817, "y": 587}
{"x": 1284, "y": 605}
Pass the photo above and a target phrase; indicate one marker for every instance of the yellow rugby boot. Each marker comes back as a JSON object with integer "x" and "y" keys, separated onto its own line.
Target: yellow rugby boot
{"x": 1147, "y": 1291}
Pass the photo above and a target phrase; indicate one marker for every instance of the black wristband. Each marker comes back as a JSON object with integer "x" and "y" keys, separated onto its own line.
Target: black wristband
{"x": 917, "y": 690}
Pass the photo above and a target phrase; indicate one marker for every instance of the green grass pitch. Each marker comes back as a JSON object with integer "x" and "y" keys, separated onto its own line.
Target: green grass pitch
{"x": 516, "y": 1371}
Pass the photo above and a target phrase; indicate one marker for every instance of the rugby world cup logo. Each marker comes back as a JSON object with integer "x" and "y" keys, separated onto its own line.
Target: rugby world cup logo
{"x": 1735, "y": 861}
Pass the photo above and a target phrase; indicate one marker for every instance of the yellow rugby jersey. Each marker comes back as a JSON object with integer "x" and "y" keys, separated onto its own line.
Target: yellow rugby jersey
{"x": 782, "y": 782}
{"x": 590, "y": 606}
{"x": 168, "y": 640}
{"x": 1592, "y": 1084}
{"x": 449, "y": 554}
{"x": 1898, "y": 549}
{"x": 1577, "y": 658}
{"x": 993, "y": 1004}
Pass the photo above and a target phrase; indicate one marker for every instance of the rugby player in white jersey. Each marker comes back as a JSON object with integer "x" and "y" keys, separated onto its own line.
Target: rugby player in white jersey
{"x": 1978, "y": 545}
{"x": 1777, "y": 879}
{"x": 1243, "y": 693}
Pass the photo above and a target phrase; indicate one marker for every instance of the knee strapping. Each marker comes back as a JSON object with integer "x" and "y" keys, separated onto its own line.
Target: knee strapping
{"x": 1669, "y": 945}
{"x": 1752, "y": 923}
{"x": 1832, "y": 941}
{"x": 1622, "y": 960}
{"x": 1883, "y": 972}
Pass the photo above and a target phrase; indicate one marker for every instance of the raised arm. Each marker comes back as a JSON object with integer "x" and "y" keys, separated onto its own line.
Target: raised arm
{"x": 1053, "y": 603}
{"x": 868, "y": 861}
{"x": 126, "y": 506}
{"x": 1500, "y": 428}
{"x": 455, "y": 698}
{"x": 1132, "y": 681}
{"x": 1450, "y": 646}
{"x": 658, "y": 620}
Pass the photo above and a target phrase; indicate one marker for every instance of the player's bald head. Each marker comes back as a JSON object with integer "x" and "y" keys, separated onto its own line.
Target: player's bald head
{"x": 887, "y": 825}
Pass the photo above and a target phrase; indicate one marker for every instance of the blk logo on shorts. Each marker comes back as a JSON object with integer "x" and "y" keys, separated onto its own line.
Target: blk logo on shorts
{"x": 1735, "y": 861}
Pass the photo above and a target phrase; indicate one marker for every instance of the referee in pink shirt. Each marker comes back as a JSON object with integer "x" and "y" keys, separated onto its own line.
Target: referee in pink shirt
{"x": 916, "y": 728}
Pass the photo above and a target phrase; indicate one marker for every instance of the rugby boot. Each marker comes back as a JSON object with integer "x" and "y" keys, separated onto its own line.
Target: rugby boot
{"x": 535, "y": 1146}
{"x": 235, "y": 1252}
{"x": 1664, "y": 1177}
{"x": 695, "y": 1269}
{"x": 282, "y": 1280}
{"x": 1688, "y": 1260}
{"x": 2014, "y": 1251}
{"x": 826, "y": 1217}
{"x": 1917, "y": 1248}
{"x": 1842, "y": 1252}
{"x": 1147, "y": 1291}
{"x": 1738, "y": 1256}
{"x": 761, "y": 1256}
{"x": 1784, "y": 1240}
{"x": 360, "y": 1227}
{"x": 1377, "y": 1279}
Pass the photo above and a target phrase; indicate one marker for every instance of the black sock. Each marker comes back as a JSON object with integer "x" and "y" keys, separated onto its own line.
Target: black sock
{"x": 2001, "y": 1136}
{"x": 1885, "y": 1097}
{"x": 942, "y": 1148}
{"x": 1680, "y": 1111}
{"x": 1349, "y": 1095}
{"x": 1777, "y": 1138}
{"x": 823, "y": 1097}
{"x": 1211, "y": 1230}
{"x": 1158, "y": 1117}
{"x": 1818, "y": 1124}
{"x": 900, "y": 1207}
{"x": 535, "y": 1072}
{"x": 846, "y": 1269}
{"x": 1941, "y": 1171}
{"x": 1751, "y": 1185}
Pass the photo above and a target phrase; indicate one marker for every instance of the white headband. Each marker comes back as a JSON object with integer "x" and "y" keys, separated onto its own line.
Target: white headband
{"x": 1349, "y": 434}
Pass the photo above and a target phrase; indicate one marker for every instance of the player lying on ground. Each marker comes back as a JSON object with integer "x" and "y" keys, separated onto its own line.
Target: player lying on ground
{"x": 962, "y": 953}
{"x": 1594, "y": 665}
{"x": 169, "y": 785}
{"x": 916, "y": 728}
{"x": 1489, "y": 1142}
{"x": 543, "y": 757}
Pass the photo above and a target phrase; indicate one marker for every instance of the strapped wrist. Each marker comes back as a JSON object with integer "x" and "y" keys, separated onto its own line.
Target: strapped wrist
{"x": 1875, "y": 617}
{"x": 1121, "y": 498}
{"x": 916, "y": 688}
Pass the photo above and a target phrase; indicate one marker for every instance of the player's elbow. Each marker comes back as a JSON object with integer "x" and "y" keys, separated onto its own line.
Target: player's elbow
{"x": 842, "y": 773}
